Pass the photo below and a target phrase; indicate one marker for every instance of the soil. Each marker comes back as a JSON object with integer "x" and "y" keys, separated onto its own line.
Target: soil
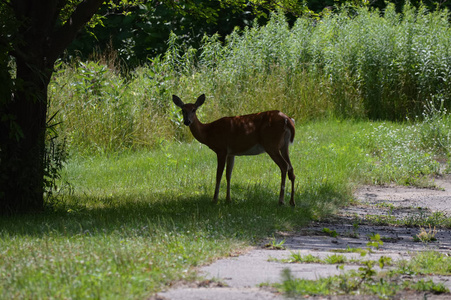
{"x": 247, "y": 276}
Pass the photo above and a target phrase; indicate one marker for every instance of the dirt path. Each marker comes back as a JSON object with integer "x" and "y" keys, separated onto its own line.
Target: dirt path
{"x": 241, "y": 277}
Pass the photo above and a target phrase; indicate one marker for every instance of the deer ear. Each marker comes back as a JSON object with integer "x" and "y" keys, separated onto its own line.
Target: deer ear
{"x": 200, "y": 100}
{"x": 177, "y": 101}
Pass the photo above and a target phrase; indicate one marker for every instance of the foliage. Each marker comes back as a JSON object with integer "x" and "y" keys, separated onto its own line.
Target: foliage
{"x": 426, "y": 236}
{"x": 355, "y": 63}
{"x": 368, "y": 281}
{"x": 138, "y": 30}
{"x": 54, "y": 158}
{"x": 375, "y": 241}
{"x": 330, "y": 232}
{"x": 274, "y": 245}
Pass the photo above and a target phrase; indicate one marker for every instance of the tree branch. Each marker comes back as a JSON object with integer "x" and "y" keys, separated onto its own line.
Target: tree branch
{"x": 7, "y": 3}
{"x": 62, "y": 38}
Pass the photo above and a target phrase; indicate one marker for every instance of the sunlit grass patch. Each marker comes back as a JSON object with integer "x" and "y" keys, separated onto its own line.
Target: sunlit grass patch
{"x": 125, "y": 224}
{"x": 369, "y": 281}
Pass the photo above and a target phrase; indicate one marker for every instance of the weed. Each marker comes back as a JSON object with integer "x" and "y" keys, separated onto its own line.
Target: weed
{"x": 418, "y": 218}
{"x": 362, "y": 281}
{"x": 309, "y": 258}
{"x": 426, "y": 236}
{"x": 348, "y": 249}
{"x": 381, "y": 219}
{"x": 330, "y": 232}
{"x": 375, "y": 241}
{"x": 429, "y": 285}
{"x": 275, "y": 245}
{"x": 355, "y": 230}
{"x": 367, "y": 280}
{"x": 428, "y": 262}
{"x": 293, "y": 287}
{"x": 335, "y": 259}
{"x": 385, "y": 205}
{"x": 299, "y": 258}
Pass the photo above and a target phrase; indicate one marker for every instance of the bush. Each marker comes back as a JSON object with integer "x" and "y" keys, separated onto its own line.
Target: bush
{"x": 356, "y": 63}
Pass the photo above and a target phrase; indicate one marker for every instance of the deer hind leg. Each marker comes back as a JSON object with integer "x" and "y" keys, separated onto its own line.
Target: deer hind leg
{"x": 283, "y": 165}
{"x": 291, "y": 176}
{"x": 219, "y": 171}
{"x": 229, "y": 169}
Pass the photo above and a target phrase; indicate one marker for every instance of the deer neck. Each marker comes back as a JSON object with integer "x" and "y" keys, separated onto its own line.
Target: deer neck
{"x": 198, "y": 130}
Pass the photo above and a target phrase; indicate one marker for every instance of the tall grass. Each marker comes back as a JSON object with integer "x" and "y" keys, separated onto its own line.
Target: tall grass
{"x": 368, "y": 64}
{"x": 354, "y": 63}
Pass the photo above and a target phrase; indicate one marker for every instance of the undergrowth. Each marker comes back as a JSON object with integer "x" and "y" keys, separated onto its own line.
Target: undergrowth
{"x": 367, "y": 280}
{"x": 354, "y": 63}
{"x": 131, "y": 212}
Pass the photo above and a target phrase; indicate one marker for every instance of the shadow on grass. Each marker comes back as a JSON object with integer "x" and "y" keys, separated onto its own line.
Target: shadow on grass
{"x": 253, "y": 215}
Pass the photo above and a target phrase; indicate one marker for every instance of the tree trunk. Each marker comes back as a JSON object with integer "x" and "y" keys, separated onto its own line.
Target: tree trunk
{"x": 39, "y": 41}
{"x": 23, "y": 141}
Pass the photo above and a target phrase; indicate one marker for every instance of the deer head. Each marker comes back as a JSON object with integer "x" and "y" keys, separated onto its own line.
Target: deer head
{"x": 188, "y": 110}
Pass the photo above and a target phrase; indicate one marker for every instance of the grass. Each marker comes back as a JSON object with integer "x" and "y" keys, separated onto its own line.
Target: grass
{"x": 427, "y": 262}
{"x": 417, "y": 218}
{"x": 383, "y": 286}
{"x": 426, "y": 236}
{"x": 132, "y": 211}
{"x": 126, "y": 224}
{"x": 130, "y": 223}
{"x": 368, "y": 281}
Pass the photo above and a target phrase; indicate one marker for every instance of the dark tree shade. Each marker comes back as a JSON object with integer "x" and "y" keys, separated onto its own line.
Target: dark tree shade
{"x": 35, "y": 37}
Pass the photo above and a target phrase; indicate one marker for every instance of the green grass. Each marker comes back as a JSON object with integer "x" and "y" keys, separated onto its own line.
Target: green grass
{"x": 132, "y": 210}
{"x": 130, "y": 223}
{"x": 126, "y": 224}
{"x": 368, "y": 281}
{"x": 427, "y": 262}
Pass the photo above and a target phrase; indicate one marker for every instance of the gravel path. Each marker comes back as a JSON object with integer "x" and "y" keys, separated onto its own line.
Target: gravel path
{"x": 245, "y": 276}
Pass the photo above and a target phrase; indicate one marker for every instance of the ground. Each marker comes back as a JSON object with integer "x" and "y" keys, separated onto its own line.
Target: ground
{"x": 241, "y": 277}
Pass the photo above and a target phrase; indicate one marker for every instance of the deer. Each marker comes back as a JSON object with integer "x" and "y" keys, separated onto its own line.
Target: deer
{"x": 269, "y": 131}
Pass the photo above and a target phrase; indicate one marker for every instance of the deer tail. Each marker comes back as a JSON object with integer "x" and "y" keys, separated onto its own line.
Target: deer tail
{"x": 289, "y": 122}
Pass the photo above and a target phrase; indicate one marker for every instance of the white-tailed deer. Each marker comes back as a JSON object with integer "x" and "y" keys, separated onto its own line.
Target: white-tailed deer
{"x": 270, "y": 131}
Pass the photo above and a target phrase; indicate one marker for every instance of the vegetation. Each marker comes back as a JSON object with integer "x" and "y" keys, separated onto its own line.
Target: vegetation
{"x": 355, "y": 64}
{"x": 131, "y": 29}
{"x": 367, "y": 280}
{"x": 130, "y": 212}
{"x": 33, "y": 36}
{"x": 127, "y": 224}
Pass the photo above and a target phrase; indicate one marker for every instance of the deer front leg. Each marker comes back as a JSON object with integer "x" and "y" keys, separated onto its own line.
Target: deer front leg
{"x": 220, "y": 169}
{"x": 229, "y": 169}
